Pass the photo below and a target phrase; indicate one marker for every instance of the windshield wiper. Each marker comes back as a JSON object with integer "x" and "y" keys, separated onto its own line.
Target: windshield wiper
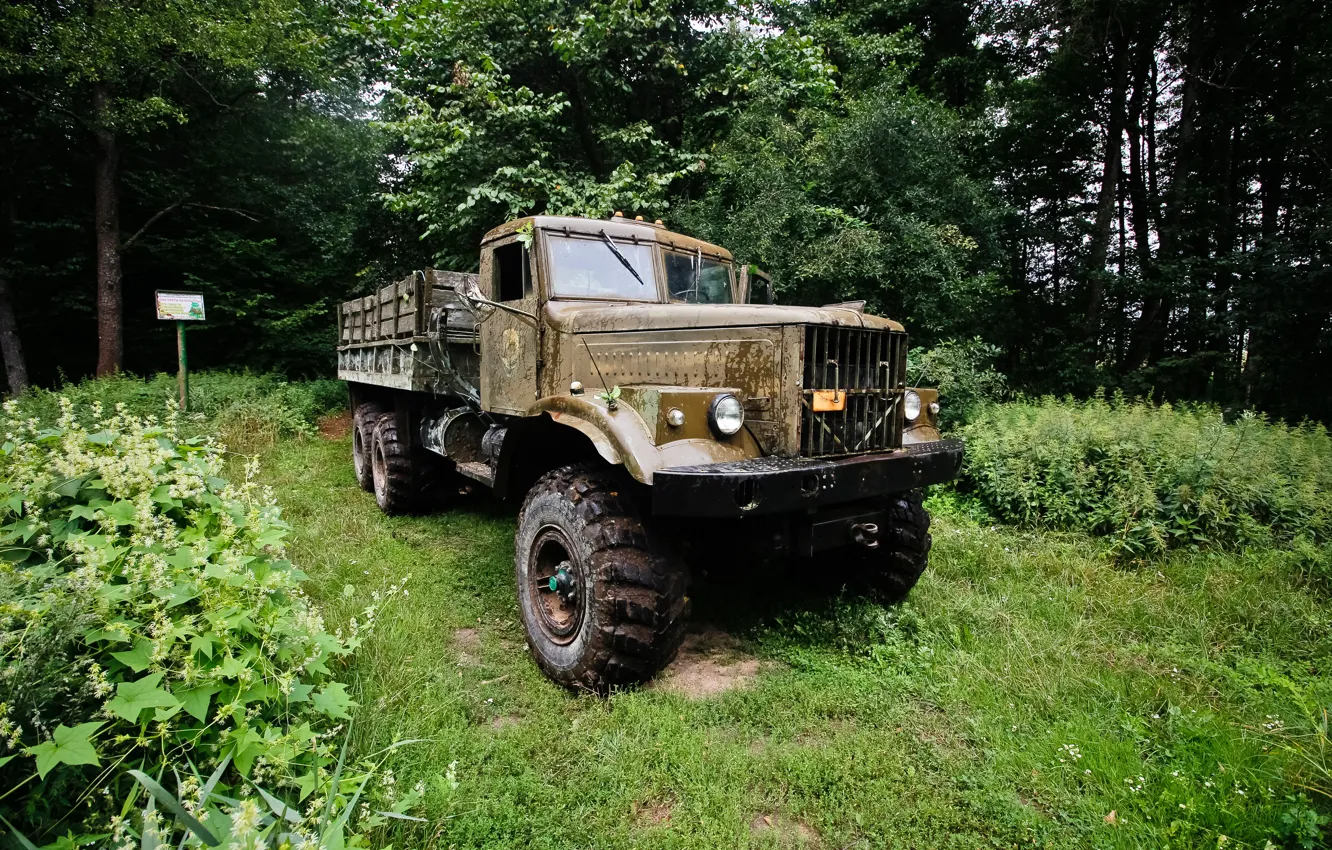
{"x": 623, "y": 260}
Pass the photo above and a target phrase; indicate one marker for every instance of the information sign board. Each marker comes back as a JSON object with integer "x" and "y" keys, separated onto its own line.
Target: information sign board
{"x": 180, "y": 306}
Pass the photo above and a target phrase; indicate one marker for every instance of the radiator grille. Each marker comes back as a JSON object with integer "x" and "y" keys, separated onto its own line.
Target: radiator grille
{"x": 869, "y": 367}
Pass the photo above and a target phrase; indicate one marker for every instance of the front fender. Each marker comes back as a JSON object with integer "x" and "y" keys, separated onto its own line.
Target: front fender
{"x": 622, "y": 437}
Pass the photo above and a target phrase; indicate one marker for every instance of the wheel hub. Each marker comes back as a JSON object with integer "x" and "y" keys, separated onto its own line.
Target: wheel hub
{"x": 563, "y": 582}
{"x": 557, "y": 585}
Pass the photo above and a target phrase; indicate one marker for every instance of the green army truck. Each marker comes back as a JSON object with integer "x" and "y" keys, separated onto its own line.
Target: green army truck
{"x": 618, "y": 382}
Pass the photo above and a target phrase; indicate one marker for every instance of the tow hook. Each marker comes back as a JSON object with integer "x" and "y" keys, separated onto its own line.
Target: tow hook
{"x": 866, "y": 534}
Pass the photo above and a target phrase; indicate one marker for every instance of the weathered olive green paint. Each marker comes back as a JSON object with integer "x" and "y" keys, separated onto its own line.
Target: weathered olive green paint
{"x": 661, "y": 355}
{"x": 926, "y": 427}
{"x": 621, "y": 436}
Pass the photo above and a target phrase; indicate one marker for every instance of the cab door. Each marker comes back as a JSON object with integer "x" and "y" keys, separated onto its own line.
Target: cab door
{"x": 510, "y": 347}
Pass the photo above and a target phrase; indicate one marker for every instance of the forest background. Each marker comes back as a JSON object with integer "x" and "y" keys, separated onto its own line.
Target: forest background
{"x": 1087, "y": 194}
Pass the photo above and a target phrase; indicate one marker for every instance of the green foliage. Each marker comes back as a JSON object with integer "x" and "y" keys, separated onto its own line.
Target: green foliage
{"x": 1153, "y": 478}
{"x": 247, "y": 411}
{"x": 507, "y": 108}
{"x": 842, "y": 721}
{"x": 872, "y": 201}
{"x": 964, "y": 374}
{"x": 150, "y": 619}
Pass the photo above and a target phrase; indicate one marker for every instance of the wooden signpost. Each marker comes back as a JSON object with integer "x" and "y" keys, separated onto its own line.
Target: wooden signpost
{"x": 181, "y": 307}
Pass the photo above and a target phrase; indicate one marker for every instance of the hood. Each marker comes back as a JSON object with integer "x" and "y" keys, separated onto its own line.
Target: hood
{"x": 582, "y": 317}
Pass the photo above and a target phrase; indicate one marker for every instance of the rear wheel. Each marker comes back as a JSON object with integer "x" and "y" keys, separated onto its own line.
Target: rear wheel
{"x": 364, "y": 420}
{"x": 391, "y": 467}
{"x": 601, "y": 609}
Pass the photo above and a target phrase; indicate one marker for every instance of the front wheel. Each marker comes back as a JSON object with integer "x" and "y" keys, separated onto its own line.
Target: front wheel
{"x": 892, "y": 567}
{"x": 601, "y": 610}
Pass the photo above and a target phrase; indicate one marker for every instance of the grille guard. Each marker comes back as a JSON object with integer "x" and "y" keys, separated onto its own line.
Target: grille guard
{"x": 865, "y": 371}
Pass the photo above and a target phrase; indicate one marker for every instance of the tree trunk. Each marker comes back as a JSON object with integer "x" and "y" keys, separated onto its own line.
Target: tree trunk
{"x": 1105, "y": 204}
{"x": 106, "y": 219}
{"x": 16, "y": 368}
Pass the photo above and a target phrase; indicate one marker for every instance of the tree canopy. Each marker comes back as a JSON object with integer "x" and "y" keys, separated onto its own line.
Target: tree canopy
{"x": 1108, "y": 193}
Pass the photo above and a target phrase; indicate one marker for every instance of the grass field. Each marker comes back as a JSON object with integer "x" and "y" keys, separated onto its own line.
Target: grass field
{"x": 1029, "y": 694}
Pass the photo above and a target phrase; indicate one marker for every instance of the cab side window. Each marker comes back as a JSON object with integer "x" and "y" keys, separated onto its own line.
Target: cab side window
{"x": 512, "y": 273}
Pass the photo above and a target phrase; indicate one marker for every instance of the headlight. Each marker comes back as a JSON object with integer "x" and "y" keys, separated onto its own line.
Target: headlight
{"x": 911, "y": 404}
{"x": 727, "y": 414}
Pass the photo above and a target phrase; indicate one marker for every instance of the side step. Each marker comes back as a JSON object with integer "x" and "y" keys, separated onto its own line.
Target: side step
{"x": 478, "y": 471}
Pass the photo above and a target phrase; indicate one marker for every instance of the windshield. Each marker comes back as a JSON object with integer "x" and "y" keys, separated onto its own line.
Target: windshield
{"x": 695, "y": 279}
{"x": 588, "y": 268}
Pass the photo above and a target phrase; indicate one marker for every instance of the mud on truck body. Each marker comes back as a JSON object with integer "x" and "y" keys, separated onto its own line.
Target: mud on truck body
{"x": 612, "y": 379}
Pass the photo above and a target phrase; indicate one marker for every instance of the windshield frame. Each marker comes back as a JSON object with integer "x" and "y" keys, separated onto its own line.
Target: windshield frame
{"x": 703, "y": 257}
{"x": 651, "y": 286}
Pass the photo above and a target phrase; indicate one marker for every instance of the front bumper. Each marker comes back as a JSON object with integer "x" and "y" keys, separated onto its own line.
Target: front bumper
{"x": 773, "y": 485}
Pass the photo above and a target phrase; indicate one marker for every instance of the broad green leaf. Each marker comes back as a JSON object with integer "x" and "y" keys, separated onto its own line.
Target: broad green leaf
{"x": 177, "y": 594}
{"x": 202, "y": 643}
{"x": 69, "y": 488}
{"x": 87, "y": 512}
{"x": 103, "y": 438}
{"x": 20, "y": 529}
{"x": 182, "y": 559}
{"x": 196, "y": 700}
{"x": 278, "y": 807}
{"x": 119, "y": 631}
{"x": 258, "y": 692}
{"x": 305, "y": 785}
{"x": 67, "y": 746}
{"x": 121, "y": 512}
{"x": 161, "y": 715}
{"x": 133, "y": 697}
{"x": 300, "y": 692}
{"x": 333, "y": 701}
{"x": 232, "y": 667}
{"x": 247, "y": 746}
{"x": 138, "y": 658}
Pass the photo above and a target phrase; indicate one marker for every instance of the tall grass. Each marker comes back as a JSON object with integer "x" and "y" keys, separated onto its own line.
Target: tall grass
{"x": 248, "y": 412}
{"x": 1154, "y": 478}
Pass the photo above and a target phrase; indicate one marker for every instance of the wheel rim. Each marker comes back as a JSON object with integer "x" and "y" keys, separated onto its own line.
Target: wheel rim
{"x": 358, "y": 449}
{"x": 377, "y": 468}
{"x": 557, "y": 584}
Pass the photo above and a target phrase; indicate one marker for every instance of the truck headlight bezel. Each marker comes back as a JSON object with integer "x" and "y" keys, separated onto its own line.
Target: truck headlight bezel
{"x": 911, "y": 405}
{"x": 726, "y": 415}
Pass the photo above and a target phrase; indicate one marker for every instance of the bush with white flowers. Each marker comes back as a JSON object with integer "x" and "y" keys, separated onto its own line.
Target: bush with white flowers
{"x": 150, "y": 621}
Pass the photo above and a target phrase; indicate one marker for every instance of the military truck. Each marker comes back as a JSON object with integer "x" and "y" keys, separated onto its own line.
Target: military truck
{"x": 648, "y": 409}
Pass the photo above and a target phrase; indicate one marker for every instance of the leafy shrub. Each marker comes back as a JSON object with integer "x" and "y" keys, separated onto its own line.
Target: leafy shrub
{"x": 149, "y": 620}
{"x": 1153, "y": 478}
{"x": 239, "y": 404}
{"x": 964, "y": 373}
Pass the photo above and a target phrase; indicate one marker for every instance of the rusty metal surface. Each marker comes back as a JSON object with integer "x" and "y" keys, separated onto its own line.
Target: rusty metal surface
{"x": 865, "y": 371}
{"x": 595, "y": 317}
{"x": 782, "y": 485}
{"x": 510, "y": 346}
{"x": 777, "y": 359}
{"x": 622, "y": 437}
{"x": 926, "y": 427}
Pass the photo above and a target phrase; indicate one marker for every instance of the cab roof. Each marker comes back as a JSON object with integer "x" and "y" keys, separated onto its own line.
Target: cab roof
{"x": 617, "y": 227}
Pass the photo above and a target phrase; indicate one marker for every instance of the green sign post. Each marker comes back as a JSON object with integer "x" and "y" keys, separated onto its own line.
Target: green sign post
{"x": 181, "y": 307}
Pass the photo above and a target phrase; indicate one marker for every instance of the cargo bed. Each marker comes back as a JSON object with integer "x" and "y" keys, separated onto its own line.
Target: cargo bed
{"x": 415, "y": 334}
